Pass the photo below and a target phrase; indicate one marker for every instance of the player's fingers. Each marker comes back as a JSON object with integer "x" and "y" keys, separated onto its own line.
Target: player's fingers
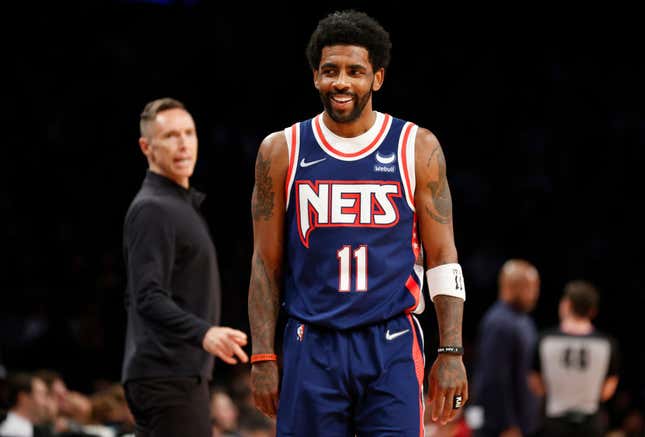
{"x": 260, "y": 403}
{"x": 268, "y": 408}
{"x": 266, "y": 405}
{"x": 431, "y": 389}
{"x": 447, "y": 411}
{"x": 237, "y": 350}
{"x": 464, "y": 392}
{"x": 271, "y": 408}
{"x": 455, "y": 411}
{"x": 437, "y": 404}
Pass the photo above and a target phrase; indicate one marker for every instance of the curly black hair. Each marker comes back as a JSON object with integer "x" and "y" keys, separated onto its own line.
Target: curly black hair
{"x": 353, "y": 28}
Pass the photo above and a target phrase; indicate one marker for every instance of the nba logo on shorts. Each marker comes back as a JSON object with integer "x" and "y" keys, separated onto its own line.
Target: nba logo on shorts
{"x": 300, "y": 332}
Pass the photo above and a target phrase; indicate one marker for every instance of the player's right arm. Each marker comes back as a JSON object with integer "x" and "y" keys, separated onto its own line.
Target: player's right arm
{"x": 268, "y": 210}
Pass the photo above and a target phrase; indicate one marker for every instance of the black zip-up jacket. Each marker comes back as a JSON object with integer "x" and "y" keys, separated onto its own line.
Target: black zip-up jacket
{"x": 173, "y": 291}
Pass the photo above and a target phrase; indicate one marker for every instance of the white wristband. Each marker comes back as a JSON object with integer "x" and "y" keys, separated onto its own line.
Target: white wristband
{"x": 446, "y": 279}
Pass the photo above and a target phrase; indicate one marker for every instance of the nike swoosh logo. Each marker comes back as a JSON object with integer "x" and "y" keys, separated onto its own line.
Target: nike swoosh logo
{"x": 385, "y": 159}
{"x": 394, "y": 335}
{"x": 310, "y": 163}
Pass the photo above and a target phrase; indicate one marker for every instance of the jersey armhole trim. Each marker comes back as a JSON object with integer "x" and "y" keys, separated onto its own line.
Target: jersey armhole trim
{"x": 406, "y": 151}
{"x": 292, "y": 135}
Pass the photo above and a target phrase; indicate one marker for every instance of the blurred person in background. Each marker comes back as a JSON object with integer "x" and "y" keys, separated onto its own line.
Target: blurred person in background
{"x": 505, "y": 347}
{"x": 224, "y": 413}
{"x": 239, "y": 388}
{"x": 576, "y": 366}
{"x": 29, "y": 407}
{"x": 70, "y": 409}
{"x": 110, "y": 410}
{"x": 173, "y": 291}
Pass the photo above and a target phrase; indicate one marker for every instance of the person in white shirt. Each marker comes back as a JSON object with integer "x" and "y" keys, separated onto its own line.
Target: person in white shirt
{"x": 27, "y": 405}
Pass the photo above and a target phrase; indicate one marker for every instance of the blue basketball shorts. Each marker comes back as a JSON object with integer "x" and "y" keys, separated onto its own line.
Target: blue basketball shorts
{"x": 362, "y": 382}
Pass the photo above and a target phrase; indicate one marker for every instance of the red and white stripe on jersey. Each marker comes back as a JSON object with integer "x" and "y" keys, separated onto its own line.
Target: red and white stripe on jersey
{"x": 406, "y": 158}
{"x": 319, "y": 134}
{"x": 292, "y": 135}
{"x": 415, "y": 286}
{"x": 419, "y": 365}
{"x": 406, "y": 161}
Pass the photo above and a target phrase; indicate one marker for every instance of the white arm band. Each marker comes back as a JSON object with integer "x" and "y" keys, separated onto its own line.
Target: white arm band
{"x": 446, "y": 279}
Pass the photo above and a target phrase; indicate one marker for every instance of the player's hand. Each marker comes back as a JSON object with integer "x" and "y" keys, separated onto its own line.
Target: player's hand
{"x": 225, "y": 343}
{"x": 447, "y": 380}
{"x": 264, "y": 385}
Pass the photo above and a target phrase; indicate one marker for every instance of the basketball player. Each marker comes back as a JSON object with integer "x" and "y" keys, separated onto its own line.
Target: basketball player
{"x": 339, "y": 204}
{"x": 576, "y": 366}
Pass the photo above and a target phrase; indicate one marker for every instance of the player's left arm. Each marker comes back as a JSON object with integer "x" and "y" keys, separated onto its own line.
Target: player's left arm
{"x": 434, "y": 212}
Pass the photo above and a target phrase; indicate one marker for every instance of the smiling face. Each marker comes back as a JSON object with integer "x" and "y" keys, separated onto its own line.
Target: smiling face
{"x": 345, "y": 80}
{"x": 170, "y": 144}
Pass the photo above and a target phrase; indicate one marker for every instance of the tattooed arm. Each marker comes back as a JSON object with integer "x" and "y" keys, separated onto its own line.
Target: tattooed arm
{"x": 434, "y": 212}
{"x": 268, "y": 209}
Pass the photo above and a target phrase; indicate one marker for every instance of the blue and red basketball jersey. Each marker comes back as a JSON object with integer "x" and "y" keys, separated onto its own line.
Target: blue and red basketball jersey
{"x": 351, "y": 240}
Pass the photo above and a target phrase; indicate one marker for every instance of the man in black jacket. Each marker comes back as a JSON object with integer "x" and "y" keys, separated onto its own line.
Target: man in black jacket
{"x": 173, "y": 294}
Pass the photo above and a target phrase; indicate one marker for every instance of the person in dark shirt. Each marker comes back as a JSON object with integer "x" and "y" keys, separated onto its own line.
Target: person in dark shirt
{"x": 575, "y": 366}
{"x": 505, "y": 345}
{"x": 173, "y": 294}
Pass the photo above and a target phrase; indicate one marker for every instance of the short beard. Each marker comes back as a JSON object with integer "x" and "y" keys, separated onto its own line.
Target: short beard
{"x": 353, "y": 115}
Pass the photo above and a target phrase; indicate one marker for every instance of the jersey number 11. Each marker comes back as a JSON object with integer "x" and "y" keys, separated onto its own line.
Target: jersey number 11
{"x": 345, "y": 268}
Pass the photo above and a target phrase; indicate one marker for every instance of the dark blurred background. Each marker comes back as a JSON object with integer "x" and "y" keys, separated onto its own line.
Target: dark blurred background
{"x": 542, "y": 123}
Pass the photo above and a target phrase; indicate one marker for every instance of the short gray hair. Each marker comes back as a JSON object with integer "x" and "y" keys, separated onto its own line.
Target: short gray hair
{"x": 153, "y": 108}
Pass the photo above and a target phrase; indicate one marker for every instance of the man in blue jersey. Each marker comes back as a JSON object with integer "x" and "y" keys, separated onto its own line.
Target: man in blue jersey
{"x": 339, "y": 204}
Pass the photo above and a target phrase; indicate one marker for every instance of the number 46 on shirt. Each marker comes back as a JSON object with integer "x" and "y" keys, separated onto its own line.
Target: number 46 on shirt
{"x": 345, "y": 267}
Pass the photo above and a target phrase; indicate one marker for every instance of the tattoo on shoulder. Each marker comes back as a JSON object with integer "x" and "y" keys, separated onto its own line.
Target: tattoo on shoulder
{"x": 441, "y": 208}
{"x": 262, "y": 207}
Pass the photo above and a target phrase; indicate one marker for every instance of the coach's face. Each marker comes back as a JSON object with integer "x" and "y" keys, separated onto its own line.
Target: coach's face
{"x": 171, "y": 145}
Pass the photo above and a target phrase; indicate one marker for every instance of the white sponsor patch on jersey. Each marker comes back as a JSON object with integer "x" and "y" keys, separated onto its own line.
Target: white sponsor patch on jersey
{"x": 384, "y": 168}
